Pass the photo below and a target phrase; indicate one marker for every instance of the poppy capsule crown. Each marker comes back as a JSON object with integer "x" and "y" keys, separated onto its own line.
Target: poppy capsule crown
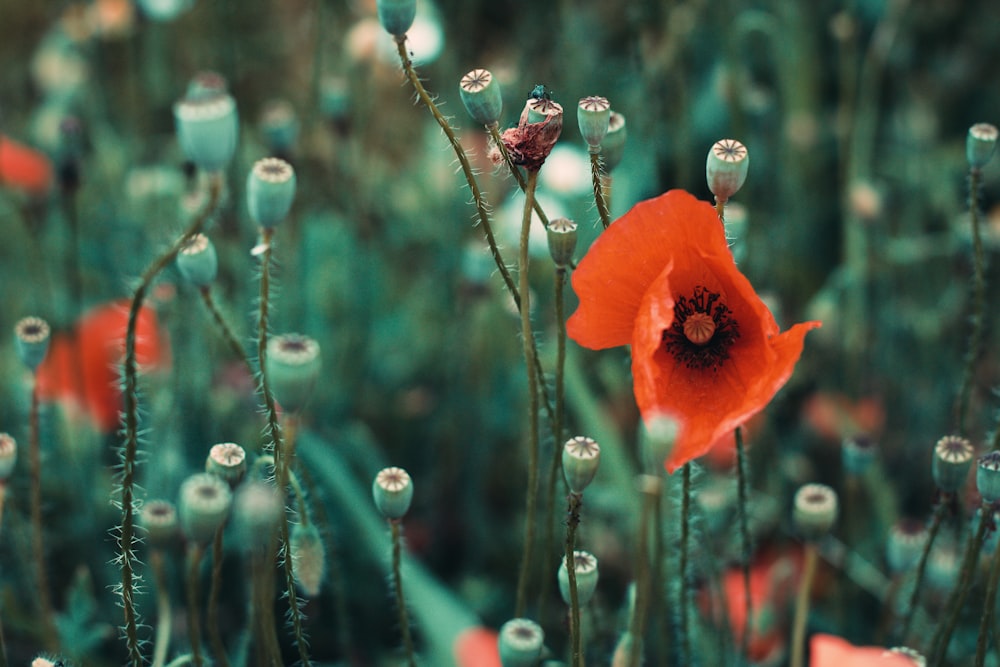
{"x": 593, "y": 114}
{"x": 561, "y": 235}
{"x": 207, "y": 129}
{"x": 198, "y": 262}
{"x": 951, "y": 463}
{"x": 613, "y": 144}
{"x": 988, "y": 477}
{"x": 393, "y": 492}
{"x": 586, "y": 577}
{"x": 32, "y": 340}
{"x": 293, "y": 364}
{"x": 270, "y": 191}
{"x": 480, "y": 92}
{"x": 520, "y": 643}
{"x": 980, "y": 144}
{"x": 203, "y": 507}
{"x": 815, "y": 510}
{"x": 159, "y": 518}
{"x": 228, "y": 461}
{"x": 580, "y": 458}
{"x": 726, "y": 168}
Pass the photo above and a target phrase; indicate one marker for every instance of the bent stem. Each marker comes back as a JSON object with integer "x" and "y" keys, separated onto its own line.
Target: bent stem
{"x": 50, "y": 636}
{"x": 595, "y": 176}
{"x": 932, "y": 532}
{"x": 214, "y": 636}
{"x": 527, "y": 337}
{"x": 164, "y": 613}
{"x": 978, "y": 304}
{"x": 225, "y": 329}
{"x": 743, "y": 511}
{"x": 126, "y": 536}
{"x": 802, "y": 605}
{"x": 575, "y": 501}
{"x": 397, "y": 576}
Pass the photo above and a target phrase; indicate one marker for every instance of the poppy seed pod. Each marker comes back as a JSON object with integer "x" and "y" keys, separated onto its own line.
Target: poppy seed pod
{"x": 293, "y": 364}
{"x": 580, "y": 458}
{"x": 228, "y": 461}
{"x": 8, "y": 456}
{"x": 393, "y": 492}
{"x": 207, "y": 129}
{"x": 561, "y": 233}
{"x": 536, "y": 133}
{"x": 857, "y": 453}
{"x": 613, "y": 145}
{"x": 586, "y": 577}
{"x": 952, "y": 460}
{"x": 593, "y": 114}
{"x": 159, "y": 518}
{"x": 32, "y": 340}
{"x": 396, "y": 16}
{"x": 480, "y": 92}
{"x": 197, "y": 261}
{"x": 988, "y": 477}
{"x": 814, "y": 511}
{"x": 203, "y": 507}
{"x": 270, "y": 191}
{"x": 520, "y": 643}
{"x": 308, "y": 559}
{"x": 980, "y": 144}
{"x": 726, "y": 168}
{"x": 905, "y": 544}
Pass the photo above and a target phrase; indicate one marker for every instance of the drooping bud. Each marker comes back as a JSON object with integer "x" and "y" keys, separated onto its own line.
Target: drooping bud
{"x": 396, "y": 15}
{"x": 593, "y": 114}
{"x": 228, "y": 461}
{"x": 393, "y": 492}
{"x": 726, "y": 168}
{"x": 657, "y": 439}
{"x": 520, "y": 643}
{"x": 32, "y": 340}
{"x": 270, "y": 191}
{"x": 814, "y": 511}
{"x": 203, "y": 507}
{"x": 197, "y": 261}
{"x": 586, "y": 577}
{"x": 293, "y": 364}
{"x": 951, "y": 463}
{"x": 580, "y": 458}
{"x": 308, "y": 559}
{"x": 480, "y": 92}
{"x": 980, "y": 144}
{"x": 207, "y": 129}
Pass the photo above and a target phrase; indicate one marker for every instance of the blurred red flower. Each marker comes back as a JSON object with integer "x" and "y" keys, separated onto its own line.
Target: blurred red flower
{"x": 831, "y": 651}
{"x": 705, "y": 349}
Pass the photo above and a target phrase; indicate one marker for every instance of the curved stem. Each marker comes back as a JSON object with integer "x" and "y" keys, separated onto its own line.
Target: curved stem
{"x": 214, "y": 636}
{"x": 225, "y": 329}
{"x": 126, "y": 536}
{"x": 978, "y": 304}
{"x": 164, "y": 612}
{"x": 595, "y": 176}
{"x": 194, "y": 617}
{"x": 49, "y": 633}
{"x": 989, "y": 607}
{"x": 527, "y": 337}
{"x": 802, "y": 606}
{"x": 575, "y": 500}
{"x": 932, "y": 532}
{"x": 397, "y": 575}
{"x": 743, "y": 510}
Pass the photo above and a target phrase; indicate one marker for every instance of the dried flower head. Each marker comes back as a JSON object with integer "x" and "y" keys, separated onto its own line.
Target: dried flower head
{"x": 530, "y": 142}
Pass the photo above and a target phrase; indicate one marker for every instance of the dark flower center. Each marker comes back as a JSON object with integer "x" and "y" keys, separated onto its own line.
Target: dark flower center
{"x": 702, "y": 332}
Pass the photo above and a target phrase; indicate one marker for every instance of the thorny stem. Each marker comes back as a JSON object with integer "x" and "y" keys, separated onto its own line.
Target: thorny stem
{"x": 50, "y": 636}
{"x": 650, "y": 497}
{"x": 978, "y": 304}
{"x": 282, "y": 458}
{"x": 126, "y": 536}
{"x": 397, "y": 575}
{"x": 989, "y": 607}
{"x": 164, "y": 613}
{"x": 225, "y": 329}
{"x": 743, "y": 511}
{"x": 911, "y": 606}
{"x": 194, "y": 618}
{"x": 595, "y": 175}
{"x": 685, "y": 545}
{"x": 802, "y": 605}
{"x": 531, "y": 495}
{"x": 575, "y": 501}
{"x": 214, "y": 636}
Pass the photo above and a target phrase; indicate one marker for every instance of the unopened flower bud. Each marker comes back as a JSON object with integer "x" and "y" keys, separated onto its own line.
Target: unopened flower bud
{"x": 593, "y": 114}
{"x": 726, "y": 168}
{"x": 159, "y": 518}
{"x": 293, "y": 364}
{"x": 396, "y": 15}
{"x": 814, "y": 511}
{"x": 308, "y": 559}
{"x": 988, "y": 477}
{"x": 207, "y": 129}
{"x": 562, "y": 235}
{"x": 480, "y": 92}
{"x": 203, "y": 507}
{"x": 980, "y": 144}
{"x": 393, "y": 492}
{"x": 197, "y": 261}
{"x": 580, "y": 458}
{"x": 951, "y": 463}
{"x": 586, "y": 577}
{"x": 270, "y": 191}
{"x": 228, "y": 461}
{"x": 32, "y": 340}
{"x": 520, "y": 643}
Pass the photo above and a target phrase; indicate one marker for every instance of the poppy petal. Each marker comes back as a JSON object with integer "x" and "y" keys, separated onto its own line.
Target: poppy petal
{"x": 24, "y": 168}
{"x": 831, "y": 651}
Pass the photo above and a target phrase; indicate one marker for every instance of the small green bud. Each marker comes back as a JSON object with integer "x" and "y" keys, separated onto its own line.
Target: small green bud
{"x": 197, "y": 261}
{"x": 270, "y": 191}
{"x": 228, "y": 461}
{"x": 561, "y": 234}
{"x": 308, "y": 559}
{"x": 726, "y": 168}
{"x": 32, "y": 340}
{"x": 159, "y": 518}
{"x": 279, "y": 126}
{"x": 207, "y": 129}
{"x": 580, "y": 458}
{"x": 593, "y": 114}
{"x": 857, "y": 453}
{"x": 988, "y": 477}
{"x": 293, "y": 364}
{"x": 613, "y": 146}
{"x": 814, "y": 511}
{"x": 520, "y": 643}
{"x": 951, "y": 463}
{"x": 203, "y": 506}
{"x": 396, "y": 15}
{"x": 980, "y": 144}
{"x": 586, "y": 577}
{"x": 905, "y": 544}
{"x": 480, "y": 92}
{"x": 8, "y": 456}
{"x": 393, "y": 492}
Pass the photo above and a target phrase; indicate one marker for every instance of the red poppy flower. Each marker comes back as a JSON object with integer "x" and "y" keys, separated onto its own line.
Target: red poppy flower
{"x": 477, "y": 647}
{"x": 24, "y": 168}
{"x": 705, "y": 348}
{"x": 831, "y": 651}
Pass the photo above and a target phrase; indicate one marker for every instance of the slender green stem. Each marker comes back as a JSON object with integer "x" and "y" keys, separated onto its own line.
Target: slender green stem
{"x": 911, "y": 606}
{"x": 651, "y": 490}
{"x": 3, "y": 642}
{"x": 574, "y": 502}
{"x": 989, "y": 607}
{"x": 397, "y": 576}
{"x": 126, "y": 536}
{"x": 194, "y": 617}
{"x": 802, "y": 605}
{"x": 225, "y": 329}
{"x": 50, "y": 637}
{"x": 214, "y": 636}
{"x": 978, "y": 304}
{"x": 164, "y": 612}
{"x": 656, "y": 580}
{"x": 685, "y": 546}
{"x": 743, "y": 511}
{"x": 942, "y": 637}
{"x": 595, "y": 175}
{"x": 531, "y": 493}
{"x": 720, "y": 208}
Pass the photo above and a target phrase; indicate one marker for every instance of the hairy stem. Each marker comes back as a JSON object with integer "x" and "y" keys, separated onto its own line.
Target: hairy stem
{"x": 50, "y": 637}
{"x": 978, "y": 305}
{"x": 989, "y": 607}
{"x": 575, "y": 501}
{"x": 650, "y": 497}
{"x": 595, "y": 175}
{"x": 802, "y": 605}
{"x": 214, "y": 636}
{"x": 494, "y": 131}
{"x": 746, "y": 548}
{"x": 911, "y": 606}
{"x": 194, "y": 617}
{"x": 225, "y": 329}
{"x": 164, "y": 611}
{"x": 685, "y": 545}
{"x": 397, "y": 576}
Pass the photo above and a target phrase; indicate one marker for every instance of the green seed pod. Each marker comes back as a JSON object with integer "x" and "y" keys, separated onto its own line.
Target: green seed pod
{"x": 580, "y": 458}
{"x": 988, "y": 477}
{"x": 814, "y": 511}
{"x": 538, "y": 109}
{"x": 8, "y": 456}
{"x": 980, "y": 144}
{"x": 279, "y": 126}
{"x": 270, "y": 191}
{"x": 308, "y": 559}
{"x": 393, "y": 492}
{"x": 207, "y": 129}
{"x": 726, "y": 168}
{"x": 520, "y": 643}
{"x": 613, "y": 146}
{"x": 32, "y": 340}
{"x": 197, "y": 261}
{"x": 586, "y": 577}
{"x": 228, "y": 461}
{"x": 256, "y": 511}
{"x": 561, "y": 234}
{"x": 951, "y": 463}
{"x": 293, "y": 364}
{"x": 593, "y": 114}
{"x": 396, "y": 15}
{"x": 480, "y": 92}
{"x": 159, "y": 518}
{"x": 942, "y": 567}
{"x": 857, "y": 453}
{"x": 905, "y": 544}
{"x": 203, "y": 506}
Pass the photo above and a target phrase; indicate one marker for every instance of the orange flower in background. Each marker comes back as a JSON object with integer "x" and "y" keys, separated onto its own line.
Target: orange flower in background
{"x": 24, "y": 168}
{"x": 705, "y": 348}
{"x": 831, "y": 651}
{"x": 477, "y": 647}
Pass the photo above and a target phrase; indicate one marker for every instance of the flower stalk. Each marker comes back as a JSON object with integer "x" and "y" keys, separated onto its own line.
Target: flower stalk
{"x": 195, "y": 552}
{"x": 50, "y": 636}
{"x": 397, "y": 577}
{"x": 595, "y": 175}
{"x": 214, "y": 635}
{"x": 574, "y": 502}
{"x": 743, "y": 510}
